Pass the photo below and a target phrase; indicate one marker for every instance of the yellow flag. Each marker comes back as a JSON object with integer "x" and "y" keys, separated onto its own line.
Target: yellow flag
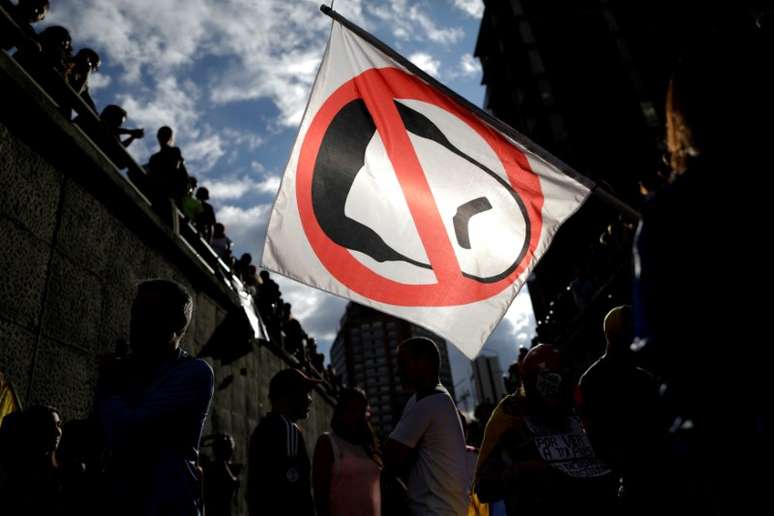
{"x": 8, "y": 400}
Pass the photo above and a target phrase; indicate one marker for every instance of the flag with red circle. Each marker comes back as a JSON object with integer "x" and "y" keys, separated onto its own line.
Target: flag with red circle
{"x": 398, "y": 197}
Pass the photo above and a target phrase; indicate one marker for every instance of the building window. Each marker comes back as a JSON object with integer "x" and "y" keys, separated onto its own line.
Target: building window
{"x": 557, "y": 127}
{"x": 536, "y": 62}
{"x": 526, "y": 33}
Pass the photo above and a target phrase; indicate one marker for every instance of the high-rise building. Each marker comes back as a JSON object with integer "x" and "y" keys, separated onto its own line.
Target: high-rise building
{"x": 364, "y": 354}
{"x": 488, "y": 379}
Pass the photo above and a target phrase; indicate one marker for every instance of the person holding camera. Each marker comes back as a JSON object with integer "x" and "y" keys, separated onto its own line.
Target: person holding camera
{"x": 151, "y": 406}
{"x": 108, "y": 133}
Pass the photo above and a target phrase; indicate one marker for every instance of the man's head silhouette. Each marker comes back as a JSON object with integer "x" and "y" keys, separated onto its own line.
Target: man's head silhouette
{"x": 160, "y": 315}
{"x": 165, "y": 136}
{"x": 113, "y": 116}
{"x": 33, "y": 11}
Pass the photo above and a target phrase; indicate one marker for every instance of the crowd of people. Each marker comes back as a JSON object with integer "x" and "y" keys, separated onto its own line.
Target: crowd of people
{"x": 166, "y": 182}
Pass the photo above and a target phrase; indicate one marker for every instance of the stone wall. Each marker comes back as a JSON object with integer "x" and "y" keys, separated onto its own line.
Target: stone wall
{"x": 77, "y": 238}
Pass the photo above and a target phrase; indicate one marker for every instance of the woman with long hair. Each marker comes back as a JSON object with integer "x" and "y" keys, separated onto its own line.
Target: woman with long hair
{"x": 701, "y": 264}
{"x": 347, "y": 465}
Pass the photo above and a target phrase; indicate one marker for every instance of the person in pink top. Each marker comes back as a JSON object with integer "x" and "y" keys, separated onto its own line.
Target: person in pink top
{"x": 347, "y": 465}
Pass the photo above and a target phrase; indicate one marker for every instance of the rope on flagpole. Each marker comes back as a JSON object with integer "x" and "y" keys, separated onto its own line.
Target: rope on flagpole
{"x": 596, "y": 189}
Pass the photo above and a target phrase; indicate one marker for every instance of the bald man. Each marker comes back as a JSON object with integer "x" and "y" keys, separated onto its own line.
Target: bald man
{"x": 618, "y": 404}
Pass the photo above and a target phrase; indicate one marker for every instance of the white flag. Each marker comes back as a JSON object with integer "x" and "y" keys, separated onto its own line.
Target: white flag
{"x": 400, "y": 198}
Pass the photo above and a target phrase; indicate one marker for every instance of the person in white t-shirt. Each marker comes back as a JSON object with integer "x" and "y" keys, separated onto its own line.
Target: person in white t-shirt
{"x": 427, "y": 446}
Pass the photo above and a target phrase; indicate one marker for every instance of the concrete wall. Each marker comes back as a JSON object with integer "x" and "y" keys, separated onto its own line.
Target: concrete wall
{"x": 76, "y": 240}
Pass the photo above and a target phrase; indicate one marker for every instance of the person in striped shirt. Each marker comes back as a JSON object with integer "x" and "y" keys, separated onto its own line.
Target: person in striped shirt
{"x": 279, "y": 470}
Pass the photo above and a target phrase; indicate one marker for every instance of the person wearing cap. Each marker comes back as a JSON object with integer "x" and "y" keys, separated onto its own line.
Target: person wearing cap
{"x": 279, "y": 470}
{"x": 535, "y": 455}
{"x": 618, "y": 402}
{"x": 427, "y": 447}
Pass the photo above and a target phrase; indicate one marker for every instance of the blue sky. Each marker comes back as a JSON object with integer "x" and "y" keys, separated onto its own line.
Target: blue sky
{"x": 232, "y": 77}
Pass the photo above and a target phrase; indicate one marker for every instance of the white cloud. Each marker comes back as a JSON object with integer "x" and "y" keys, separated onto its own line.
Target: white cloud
{"x": 236, "y": 187}
{"x": 203, "y": 153}
{"x": 167, "y": 103}
{"x": 98, "y": 81}
{"x": 470, "y": 65}
{"x": 474, "y": 8}
{"x": 240, "y": 137}
{"x": 444, "y": 36}
{"x": 245, "y": 226}
{"x": 176, "y": 104}
{"x": 426, "y": 62}
{"x": 264, "y": 49}
{"x": 138, "y": 35}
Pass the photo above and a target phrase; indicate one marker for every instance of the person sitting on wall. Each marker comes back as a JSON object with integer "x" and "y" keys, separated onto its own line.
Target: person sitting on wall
{"x": 190, "y": 205}
{"x": 85, "y": 62}
{"x": 107, "y": 135}
{"x": 268, "y": 298}
{"x": 205, "y": 220}
{"x": 151, "y": 408}
{"x": 221, "y": 243}
{"x": 167, "y": 175}
{"x": 50, "y": 64}
{"x": 24, "y": 14}
{"x": 242, "y": 268}
{"x": 279, "y": 470}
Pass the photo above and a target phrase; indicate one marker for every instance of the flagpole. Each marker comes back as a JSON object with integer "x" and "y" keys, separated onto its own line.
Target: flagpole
{"x": 493, "y": 121}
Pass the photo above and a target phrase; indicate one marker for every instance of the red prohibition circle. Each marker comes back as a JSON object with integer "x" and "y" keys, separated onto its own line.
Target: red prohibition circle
{"x": 378, "y": 87}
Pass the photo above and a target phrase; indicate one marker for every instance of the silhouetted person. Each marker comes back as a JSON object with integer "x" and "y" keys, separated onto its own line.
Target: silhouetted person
{"x": 700, "y": 325}
{"x": 347, "y": 463}
{"x": 475, "y": 429}
{"x": 10, "y": 452}
{"x": 80, "y": 460}
{"x": 109, "y": 134}
{"x": 294, "y": 334}
{"x": 190, "y": 205}
{"x": 619, "y": 407}
{"x": 428, "y": 443}
{"x": 205, "y": 220}
{"x": 242, "y": 268}
{"x": 24, "y": 14}
{"x": 50, "y": 65}
{"x": 251, "y": 281}
{"x": 151, "y": 407}
{"x": 221, "y": 243}
{"x": 167, "y": 174}
{"x": 311, "y": 352}
{"x": 56, "y": 52}
{"x": 268, "y": 297}
{"x": 221, "y": 477}
{"x": 536, "y": 456}
{"x": 34, "y": 481}
{"x": 279, "y": 470}
{"x": 84, "y": 63}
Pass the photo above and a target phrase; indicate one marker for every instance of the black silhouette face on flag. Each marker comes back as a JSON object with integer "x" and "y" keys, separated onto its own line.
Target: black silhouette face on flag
{"x": 486, "y": 220}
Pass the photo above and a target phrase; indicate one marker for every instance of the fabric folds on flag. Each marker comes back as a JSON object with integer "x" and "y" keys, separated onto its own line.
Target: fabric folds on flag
{"x": 400, "y": 198}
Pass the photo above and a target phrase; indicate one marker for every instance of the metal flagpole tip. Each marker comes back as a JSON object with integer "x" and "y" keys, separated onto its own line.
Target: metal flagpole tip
{"x": 326, "y": 9}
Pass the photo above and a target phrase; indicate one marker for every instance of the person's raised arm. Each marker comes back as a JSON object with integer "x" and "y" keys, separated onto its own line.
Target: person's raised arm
{"x": 322, "y": 466}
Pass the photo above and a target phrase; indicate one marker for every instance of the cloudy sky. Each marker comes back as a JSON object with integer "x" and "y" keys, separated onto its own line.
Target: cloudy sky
{"x": 232, "y": 77}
